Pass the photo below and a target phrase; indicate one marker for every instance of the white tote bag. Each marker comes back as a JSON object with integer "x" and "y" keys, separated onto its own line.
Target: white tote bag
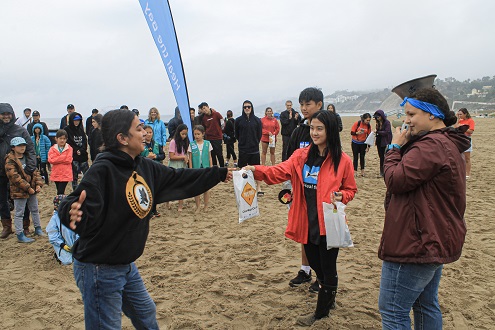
{"x": 370, "y": 140}
{"x": 338, "y": 235}
{"x": 245, "y": 194}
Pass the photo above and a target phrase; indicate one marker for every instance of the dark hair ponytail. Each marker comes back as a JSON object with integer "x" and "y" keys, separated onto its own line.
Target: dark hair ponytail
{"x": 114, "y": 123}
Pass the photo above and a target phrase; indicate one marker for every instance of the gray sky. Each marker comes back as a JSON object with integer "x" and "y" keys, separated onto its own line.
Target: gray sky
{"x": 100, "y": 53}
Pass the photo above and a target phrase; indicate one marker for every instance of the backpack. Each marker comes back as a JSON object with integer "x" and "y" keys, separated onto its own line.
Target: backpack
{"x": 359, "y": 124}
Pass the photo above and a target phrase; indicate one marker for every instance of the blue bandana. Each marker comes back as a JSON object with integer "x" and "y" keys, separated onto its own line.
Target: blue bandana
{"x": 425, "y": 106}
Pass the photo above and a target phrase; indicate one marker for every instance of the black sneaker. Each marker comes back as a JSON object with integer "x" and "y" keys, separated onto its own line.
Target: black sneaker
{"x": 301, "y": 278}
{"x": 315, "y": 287}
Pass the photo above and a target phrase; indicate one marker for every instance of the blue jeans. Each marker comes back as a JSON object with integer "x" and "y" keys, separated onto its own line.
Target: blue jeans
{"x": 109, "y": 290}
{"x": 406, "y": 286}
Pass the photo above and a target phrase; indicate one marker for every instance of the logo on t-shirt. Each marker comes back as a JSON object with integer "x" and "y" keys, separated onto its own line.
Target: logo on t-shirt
{"x": 303, "y": 144}
{"x": 310, "y": 176}
{"x": 138, "y": 195}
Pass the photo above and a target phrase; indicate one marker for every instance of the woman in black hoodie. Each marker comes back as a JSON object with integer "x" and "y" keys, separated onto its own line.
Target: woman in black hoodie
{"x": 76, "y": 138}
{"x": 110, "y": 211}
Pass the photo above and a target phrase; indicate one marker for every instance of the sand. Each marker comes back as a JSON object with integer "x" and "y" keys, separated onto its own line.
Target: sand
{"x": 212, "y": 272}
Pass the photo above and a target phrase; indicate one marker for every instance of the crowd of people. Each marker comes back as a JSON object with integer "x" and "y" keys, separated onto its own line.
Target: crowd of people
{"x": 129, "y": 153}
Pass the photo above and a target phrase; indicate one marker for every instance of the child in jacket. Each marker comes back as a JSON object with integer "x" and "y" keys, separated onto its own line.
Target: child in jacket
{"x": 60, "y": 237}
{"x": 23, "y": 189}
{"x": 42, "y": 145}
{"x": 60, "y": 156}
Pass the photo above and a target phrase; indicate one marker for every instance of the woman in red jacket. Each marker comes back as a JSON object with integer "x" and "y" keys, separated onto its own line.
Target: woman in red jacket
{"x": 319, "y": 173}
{"x": 269, "y": 132}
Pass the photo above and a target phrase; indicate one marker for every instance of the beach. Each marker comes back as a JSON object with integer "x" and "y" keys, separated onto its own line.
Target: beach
{"x": 209, "y": 271}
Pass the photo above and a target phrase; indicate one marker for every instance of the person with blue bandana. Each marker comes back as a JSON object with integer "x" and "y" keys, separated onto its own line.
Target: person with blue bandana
{"x": 424, "y": 228}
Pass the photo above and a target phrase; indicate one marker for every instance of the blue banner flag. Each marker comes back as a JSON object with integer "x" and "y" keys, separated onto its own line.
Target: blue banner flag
{"x": 161, "y": 24}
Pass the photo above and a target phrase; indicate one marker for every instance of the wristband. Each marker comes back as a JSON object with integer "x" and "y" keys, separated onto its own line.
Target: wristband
{"x": 391, "y": 146}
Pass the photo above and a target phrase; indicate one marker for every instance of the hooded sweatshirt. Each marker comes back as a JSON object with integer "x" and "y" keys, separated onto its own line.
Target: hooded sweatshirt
{"x": 384, "y": 134}
{"x": 174, "y": 123}
{"x": 41, "y": 146}
{"x": 120, "y": 194}
{"x": 426, "y": 199}
{"x": 248, "y": 132}
{"x": 300, "y": 138}
{"x": 9, "y": 131}
{"x": 77, "y": 139}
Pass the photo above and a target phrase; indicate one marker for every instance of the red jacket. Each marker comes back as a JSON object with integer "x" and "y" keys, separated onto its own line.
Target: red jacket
{"x": 328, "y": 182}
{"x": 62, "y": 163}
{"x": 426, "y": 199}
{"x": 269, "y": 125}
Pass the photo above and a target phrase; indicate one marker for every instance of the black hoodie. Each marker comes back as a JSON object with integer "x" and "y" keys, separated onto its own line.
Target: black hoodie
{"x": 300, "y": 138}
{"x": 248, "y": 132}
{"x": 9, "y": 131}
{"x": 114, "y": 225}
{"x": 174, "y": 123}
{"x": 77, "y": 139}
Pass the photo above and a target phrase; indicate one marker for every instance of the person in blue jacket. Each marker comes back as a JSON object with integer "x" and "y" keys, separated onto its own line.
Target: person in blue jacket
{"x": 60, "y": 237}
{"x": 42, "y": 145}
{"x": 158, "y": 126}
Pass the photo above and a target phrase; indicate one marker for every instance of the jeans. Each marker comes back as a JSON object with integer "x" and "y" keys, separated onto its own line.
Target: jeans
{"x": 20, "y": 206}
{"x": 406, "y": 286}
{"x": 109, "y": 290}
{"x": 4, "y": 198}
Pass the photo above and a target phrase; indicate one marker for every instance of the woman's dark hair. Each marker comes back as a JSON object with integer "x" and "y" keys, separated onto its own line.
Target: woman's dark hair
{"x": 333, "y": 106}
{"x": 433, "y": 96}
{"x": 267, "y": 109}
{"x": 98, "y": 119}
{"x": 34, "y": 131}
{"x": 230, "y": 114}
{"x": 365, "y": 116}
{"x": 465, "y": 111}
{"x": 113, "y": 123}
{"x": 61, "y": 132}
{"x": 180, "y": 144}
{"x": 334, "y": 147}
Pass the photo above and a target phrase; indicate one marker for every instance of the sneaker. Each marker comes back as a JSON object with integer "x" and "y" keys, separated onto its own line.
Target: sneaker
{"x": 301, "y": 278}
{"x": 226, "y": 164}
{"x": 315, "y": 287}
{"x": 235, "y": 165}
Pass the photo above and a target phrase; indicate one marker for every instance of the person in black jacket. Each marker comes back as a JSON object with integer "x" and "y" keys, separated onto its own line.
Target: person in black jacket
{"x": 289, "y": 119}
{"x": 36, "y": 120}
{"x": 89, "y": 124}
{"x": 76, "y": 138}
{"x": 311, "y": 101}
{"x": 229, "y": 138}
{"x": 64, "y": 121}
{"x": 110, "y": 210}
{"x": 331, "y": 107}
{"x": 248, "y": 134}
{"x": 96, "y": 139}
{"x": 173, "y": 123}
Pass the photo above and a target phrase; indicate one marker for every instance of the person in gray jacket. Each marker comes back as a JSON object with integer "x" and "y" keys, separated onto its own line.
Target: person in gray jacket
{"x": 9, "y": 130}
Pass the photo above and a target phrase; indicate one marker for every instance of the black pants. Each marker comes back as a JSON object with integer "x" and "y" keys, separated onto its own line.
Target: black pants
{"x": 381, "y": 154}
{"x": 323, "y": 261}
{"x": 358, "y": 150}
{"x": 217, "y": 152}
{"x": 285, "y": 145}
{"x": 248, "y": 159}
{"x": 61, "y": 187}
{"x": 231, "y": 151}
{"x": 42, "y": 168}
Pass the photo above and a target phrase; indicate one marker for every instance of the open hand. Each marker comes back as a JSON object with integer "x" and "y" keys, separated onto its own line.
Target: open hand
{"x": 75, "y": 210}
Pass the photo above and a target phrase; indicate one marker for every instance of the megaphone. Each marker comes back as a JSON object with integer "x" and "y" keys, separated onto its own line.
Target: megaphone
{"x": 409, "y": 87}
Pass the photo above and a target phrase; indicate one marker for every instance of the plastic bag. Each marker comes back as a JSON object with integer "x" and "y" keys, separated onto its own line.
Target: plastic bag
{"x": 370, "y": 140}
{"x": 271, "y": 141}
{"x": 245, "y": 194}
{"x": 338, "y": 234}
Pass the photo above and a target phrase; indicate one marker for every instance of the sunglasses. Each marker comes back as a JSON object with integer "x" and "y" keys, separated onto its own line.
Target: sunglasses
{"x": 247, "y": 107}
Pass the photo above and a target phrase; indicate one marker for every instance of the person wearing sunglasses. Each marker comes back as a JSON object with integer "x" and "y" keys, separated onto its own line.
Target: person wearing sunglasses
{"x": 248, "y": 134}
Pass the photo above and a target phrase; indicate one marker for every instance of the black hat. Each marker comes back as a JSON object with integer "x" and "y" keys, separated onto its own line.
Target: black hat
{"x": 36, "y": 113}
{"x": 124, "y": 107}
{"x": 409, "y": 87}
{"x": 70, "y": 106}
{"x": 136, "y": 111}
{"x": 94, "y": 111}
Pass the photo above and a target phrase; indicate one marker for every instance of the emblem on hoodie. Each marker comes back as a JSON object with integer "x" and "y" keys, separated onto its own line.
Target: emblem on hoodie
{"x": 138, "y": 195}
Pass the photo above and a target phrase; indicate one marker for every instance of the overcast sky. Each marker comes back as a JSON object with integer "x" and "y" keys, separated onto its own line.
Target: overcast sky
{"x": 100, "y": 53}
